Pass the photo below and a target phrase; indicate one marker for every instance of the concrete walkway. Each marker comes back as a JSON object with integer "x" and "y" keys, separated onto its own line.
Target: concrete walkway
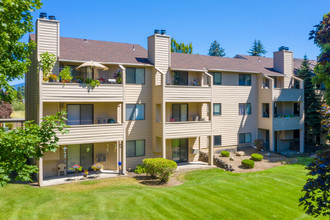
{"x": 193, "y": 166}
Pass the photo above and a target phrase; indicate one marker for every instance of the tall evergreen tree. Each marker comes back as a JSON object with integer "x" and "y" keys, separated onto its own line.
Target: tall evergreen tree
{"x": 216, "y": 50}
{"x": 257, "y": 49}
{"x": 181, "y": 47}
{"x": 312, "y": 104}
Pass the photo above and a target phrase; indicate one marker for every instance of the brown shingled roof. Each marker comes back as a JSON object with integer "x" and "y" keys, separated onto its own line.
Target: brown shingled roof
{"x": 101, "y": 51}
{"x": 194, "y": 61}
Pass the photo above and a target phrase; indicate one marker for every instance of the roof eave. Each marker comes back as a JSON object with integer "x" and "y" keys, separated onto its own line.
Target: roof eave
{"x": 109, "y": 63}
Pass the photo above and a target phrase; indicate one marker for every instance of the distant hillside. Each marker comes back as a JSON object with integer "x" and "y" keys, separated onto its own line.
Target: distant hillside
{"x": 18, "y": 85}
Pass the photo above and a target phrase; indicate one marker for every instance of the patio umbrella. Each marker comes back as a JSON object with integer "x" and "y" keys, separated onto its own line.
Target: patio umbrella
{"x": 93, "y": 65}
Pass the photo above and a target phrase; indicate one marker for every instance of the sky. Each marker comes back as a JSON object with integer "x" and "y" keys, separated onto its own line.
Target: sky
{"x": 235, "y": 24}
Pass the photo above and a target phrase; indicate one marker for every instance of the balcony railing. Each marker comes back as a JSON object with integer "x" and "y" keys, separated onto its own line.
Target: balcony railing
{"x": 175, "y": 93}
{"x": 187, "y": 129}
{"x": 93, "y": 133}
{"x": 54, "y": 91}
{"x": 288, "y": 123}
{"x": 288, "y": 95}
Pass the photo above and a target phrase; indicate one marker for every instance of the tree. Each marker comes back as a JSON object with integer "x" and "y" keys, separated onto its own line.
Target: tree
{"x": 257, "y": 49}
{"x": 216, "y": 50}
{"x": 5, "y": 109}
{"x": 27, "y": 142}
{"x": 15, "y": 21}
{"x": 312, "y": 104}
{"x": 19, "y": 94}
{"x": 181, "y": 47}
{"x": 316, "y": 200}
{"x": 321, "y": 36}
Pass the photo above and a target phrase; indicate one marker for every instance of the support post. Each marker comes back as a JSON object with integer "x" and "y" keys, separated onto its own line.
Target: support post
{"x": 41, "y": 172}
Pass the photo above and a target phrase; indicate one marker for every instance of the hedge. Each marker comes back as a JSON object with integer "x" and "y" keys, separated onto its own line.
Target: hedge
{"x": 157, "y": 168}
{"x": 225, "y": 153}
{"x": 248, "y": 163}
{"x": 257, "y": 157}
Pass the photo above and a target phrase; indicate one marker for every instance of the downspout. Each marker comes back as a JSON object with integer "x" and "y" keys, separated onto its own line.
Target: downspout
{"x": 124, "y": 119}
{"x": 211, "y": 118}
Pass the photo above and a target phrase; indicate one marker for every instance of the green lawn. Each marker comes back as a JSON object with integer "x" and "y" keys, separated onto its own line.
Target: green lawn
{"x": 18, "y": 114}
{"x": 206, "y": 194}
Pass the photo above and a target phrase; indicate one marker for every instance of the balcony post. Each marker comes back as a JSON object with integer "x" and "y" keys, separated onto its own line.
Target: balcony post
{"x": 124, "y": 119}
{"x": 302, "y": 140}
{"x": 41, "y": 172}
{"x": 211, "y": 150}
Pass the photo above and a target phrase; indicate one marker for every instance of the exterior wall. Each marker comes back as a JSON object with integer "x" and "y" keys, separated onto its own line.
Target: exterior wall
{"x": 140, "y": 129}
{"x": 229, "y": 124}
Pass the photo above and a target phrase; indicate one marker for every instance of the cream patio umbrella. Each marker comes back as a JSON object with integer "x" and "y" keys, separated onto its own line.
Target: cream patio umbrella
{"x": 93, "y": 65}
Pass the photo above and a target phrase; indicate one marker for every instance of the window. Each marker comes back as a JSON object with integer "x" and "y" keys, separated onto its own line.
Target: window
{"x": 80, "y": 114}
{"x": 244, "y": 108}
{"x": 217, "y": 109}
{"x": 245, "y": 79}
{"x": 245, "y": 138}
{"x": 135, "y": 75}
{"x": 179, "y": 112}
{"x": 265, "y": 83}
{"x": 217, "y": 140}
{"x": 217, "y": 78}
{"x": 134, "y": 112}
{"x": 296, "y": 109}
{"x": 265, "y": 110}
{"x": 135, "y": 148}
{"x": 180, "y": 78}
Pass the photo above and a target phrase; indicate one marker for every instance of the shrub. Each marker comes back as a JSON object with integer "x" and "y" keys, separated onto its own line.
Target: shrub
{"x": 140, "y": 169}
{"x": 225, "y": 153}
{"x": 65, "y": 75}
{"x": 257, "y": 157}
{"x": 248, "y": 163}
{"x": 18, "y": 105}
{"x": 159, "y": 168}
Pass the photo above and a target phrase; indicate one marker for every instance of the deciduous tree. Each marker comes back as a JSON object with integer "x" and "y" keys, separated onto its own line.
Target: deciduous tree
{"x": 15, "y": 21}
{"x": 5, "y": 109}
{"x": 181, "y": 47}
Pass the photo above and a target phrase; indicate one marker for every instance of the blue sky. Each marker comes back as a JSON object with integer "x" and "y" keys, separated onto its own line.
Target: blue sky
{"x": 235, "y": 24}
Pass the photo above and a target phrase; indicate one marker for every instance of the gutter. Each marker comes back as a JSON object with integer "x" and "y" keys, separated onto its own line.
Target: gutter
{"x": 109, "y": 63}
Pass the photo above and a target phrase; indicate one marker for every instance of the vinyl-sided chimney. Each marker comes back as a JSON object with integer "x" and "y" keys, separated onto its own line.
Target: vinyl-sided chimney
{"x": 283, "y": 61}
{"x": 48, "y": 37}
{"x": 159, "y": 50}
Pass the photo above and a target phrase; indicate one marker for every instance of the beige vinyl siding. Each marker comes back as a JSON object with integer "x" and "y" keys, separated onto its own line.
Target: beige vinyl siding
{"x": 188, "y": 93}
{"x": 230, "y": 123}
{"x": 75, "y": 92}
{"x": 288, "y": 95}
{"x": 47, "y": 38}
{"x": 162, "y": 52}
{"x": 265, "y": 96}
{"x": 187, "y": 129}
{"x": 288, "y": 123}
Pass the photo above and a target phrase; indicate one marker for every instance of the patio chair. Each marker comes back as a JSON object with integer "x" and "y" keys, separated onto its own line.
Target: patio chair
{"x": 61, "y": 168}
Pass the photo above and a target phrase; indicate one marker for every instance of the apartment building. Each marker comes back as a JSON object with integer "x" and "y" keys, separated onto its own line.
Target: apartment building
{"x": 167, "y": 105}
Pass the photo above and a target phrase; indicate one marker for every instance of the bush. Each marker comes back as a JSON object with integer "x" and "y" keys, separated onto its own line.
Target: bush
{"x": 248, "y": 163}
{"x": 140, "y": 169}
{"x": 225, "y": 153}
{"x": 18, "y": 105}
{"x": 257, "y": 157}
{"x": 159, "y": 168}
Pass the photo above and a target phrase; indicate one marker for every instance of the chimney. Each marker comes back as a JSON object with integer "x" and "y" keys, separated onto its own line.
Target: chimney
{"x": 159, "y": 50}
{"x": 48, "y": 36}
{"x": 283, "y": 61}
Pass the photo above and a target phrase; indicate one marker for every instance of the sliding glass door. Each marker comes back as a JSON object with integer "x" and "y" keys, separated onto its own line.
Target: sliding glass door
{"x": 80, "y": 114}
{"x": 180, "y": 112}
{"x": 81, "y": 155}
{"x": 180, "y": 78}
{"x": 180, "y": 150}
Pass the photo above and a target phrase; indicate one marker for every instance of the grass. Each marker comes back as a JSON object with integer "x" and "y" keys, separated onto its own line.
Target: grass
{"x": 206, "y": 194}
{"x": 18, "y": 114}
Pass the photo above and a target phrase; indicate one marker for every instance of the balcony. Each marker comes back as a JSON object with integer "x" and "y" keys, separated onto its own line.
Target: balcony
{"x": 75, "y": 92}
{"x": 288, "y": 123}
{"x": 180, "y": 93}
{"x": 186, "y": 129}
{"x": 288, "y": 95}
{"x": 92, "y": 133}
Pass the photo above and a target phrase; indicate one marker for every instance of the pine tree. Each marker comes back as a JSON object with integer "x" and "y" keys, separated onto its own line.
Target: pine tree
{"x": 181, "y": 47}
{"x": 312, "y": 104}
{"x": 216, "y": 50}
{"x": 257, "y": 49}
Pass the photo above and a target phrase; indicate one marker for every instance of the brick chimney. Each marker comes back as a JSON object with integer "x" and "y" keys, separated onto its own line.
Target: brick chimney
{"x": 159, "y": 50}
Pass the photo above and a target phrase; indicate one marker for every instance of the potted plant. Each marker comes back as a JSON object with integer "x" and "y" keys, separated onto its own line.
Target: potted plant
{"x": 98, "y": 167}
{"x": 85, "y": 173}
{"x": 52, "y": 78}
{"x": 117, "y": 75}
{"x": 76, "y": 168}
{"x": 65, "y": 75}
{"x": 47, "y": 62}
{"x": 80, "y": 79}
{"x": 92, "y": 82}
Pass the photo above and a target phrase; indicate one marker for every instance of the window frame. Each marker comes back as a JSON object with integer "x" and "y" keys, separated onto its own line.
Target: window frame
{"x": 144, "y": 148}
{"x": 93, "y": 121}
{"x": 244, "y": 142}
{"x": 214, "y": 83}
{"x": 134, "y": 111}
{"x": 245, "y": 108}
{"x": 217, "y": 136}
{"x": 263, "y": 112}
{"x": 245, "y": 80}
{"x": 220, "y": 113}
{"x": 134, "y": 83}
